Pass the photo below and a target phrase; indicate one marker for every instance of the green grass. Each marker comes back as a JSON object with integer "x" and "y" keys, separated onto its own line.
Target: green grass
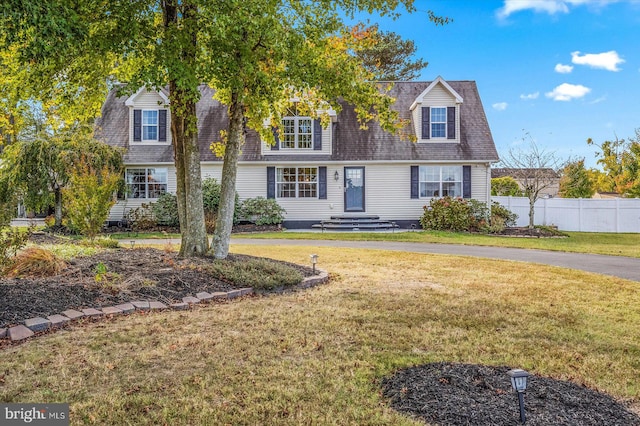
{"x": 577, "y": 242}
{"x": 316, "y": 356}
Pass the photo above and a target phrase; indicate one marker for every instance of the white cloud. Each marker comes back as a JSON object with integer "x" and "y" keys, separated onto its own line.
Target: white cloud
{"x": 566, "y": 92}
{"x": 563, "y": 69}
{"x": 551, "y": 7}
{"x": 530, "y": 96}
{"x": 607, "y": 60}
{"x": 500, "y": 106}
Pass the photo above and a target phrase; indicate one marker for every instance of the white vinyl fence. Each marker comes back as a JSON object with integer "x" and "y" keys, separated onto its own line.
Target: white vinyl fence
{"x": 578, "y": 214}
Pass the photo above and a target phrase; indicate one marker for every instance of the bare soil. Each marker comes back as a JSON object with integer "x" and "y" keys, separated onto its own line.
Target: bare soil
{"x": 128, "y": 274}
{"x": 464, "y": 394}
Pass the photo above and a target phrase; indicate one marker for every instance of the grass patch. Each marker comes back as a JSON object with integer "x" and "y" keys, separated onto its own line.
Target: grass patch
{"x": 577, "y": 242}
{"x": 259, "y": 273}
{"x": 315, "y": 357}
{"x": 69, "y": 251}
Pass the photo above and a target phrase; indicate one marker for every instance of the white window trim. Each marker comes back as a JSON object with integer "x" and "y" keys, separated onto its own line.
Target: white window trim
{"x": 296, "y": 118}
{"x": 142, "y": 125}
{"x": 440, "y": 182}
{"x": 297, "y": 183}
{"x": 146, "y": 183}
{"x": 431, "y": 122}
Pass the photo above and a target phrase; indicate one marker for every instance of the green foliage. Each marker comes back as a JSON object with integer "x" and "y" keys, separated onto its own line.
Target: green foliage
{"x": 505, "y": 186}
{"x": 575, "y": 181}
{"x": 258, "y": 273}
{"x": 502, "y": 214}
{"x": 211, "y": 191}
{"x": 165, "y": 210}
{"x": 262, "y": 211}
{"x": 620, "y": 160}
{"x": 89, "y": 198}
{"x": 11, "y": 241}
{"x": 447, "y": 214}
{"x": 141, "y": 218}
{"x": 8, "y": 202}
{"x": 103, "y": 242}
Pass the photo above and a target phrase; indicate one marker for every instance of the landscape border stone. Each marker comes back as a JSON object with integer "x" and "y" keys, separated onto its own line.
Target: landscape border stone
{"x": 38, "y": 325}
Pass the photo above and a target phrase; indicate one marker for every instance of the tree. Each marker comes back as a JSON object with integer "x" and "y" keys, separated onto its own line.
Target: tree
{"x": 40, "y": 169}
{"x": 620, "y": 160}
{"x": 257, "y": 55}
{"x": 505, "y": 186}
{"x": 575, "y": 181}
{"x": 535, "y": 169}
{"x": 388, "y": 57}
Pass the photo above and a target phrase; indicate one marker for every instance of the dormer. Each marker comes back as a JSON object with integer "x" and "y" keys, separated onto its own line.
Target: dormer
{"x": 149, "y": 118}
{"x": 436, "y": 113}
{"x": 301, "y": 134}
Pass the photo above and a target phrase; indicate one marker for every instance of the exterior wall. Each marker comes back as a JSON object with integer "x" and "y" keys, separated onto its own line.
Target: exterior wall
{"x": 439, "y": 96}
{"x": 149, "y": 100}
{"x": 578, "y": 214}
{"x": 326, "y": 147}
{"x": 387, "y": 190}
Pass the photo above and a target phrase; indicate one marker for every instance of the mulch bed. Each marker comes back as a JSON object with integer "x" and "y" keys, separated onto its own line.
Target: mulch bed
{"x": 462, "y": 394}
{"x": 132, "y": 274}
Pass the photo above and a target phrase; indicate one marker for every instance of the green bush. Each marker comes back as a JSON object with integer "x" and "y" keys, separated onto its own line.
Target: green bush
{"x": 165, "y": 210}
{"x": 447, "y": 214}
{"x": 11, "y": 241}
{"x": 211, "y": 190}
{"x": 498, "y": 211}
{"x": 262, "y": 211}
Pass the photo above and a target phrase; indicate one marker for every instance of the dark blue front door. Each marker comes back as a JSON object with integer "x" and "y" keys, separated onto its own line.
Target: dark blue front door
{"x": 354, "y": 189}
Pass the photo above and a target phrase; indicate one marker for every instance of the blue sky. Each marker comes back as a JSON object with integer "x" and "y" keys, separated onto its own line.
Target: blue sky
{"x": 560, "y": 71}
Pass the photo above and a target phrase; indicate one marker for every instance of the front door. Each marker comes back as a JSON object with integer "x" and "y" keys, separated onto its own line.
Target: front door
{"x": 354, "y": 189}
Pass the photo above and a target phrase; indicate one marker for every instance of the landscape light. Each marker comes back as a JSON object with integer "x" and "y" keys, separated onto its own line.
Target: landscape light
{"x": 133, "y": 243}
{"x": 314, "y": 260}
{"x": 519, "y": 384}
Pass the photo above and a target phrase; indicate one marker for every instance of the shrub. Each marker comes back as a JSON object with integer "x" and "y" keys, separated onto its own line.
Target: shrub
{"x": 165, "y": 210}
{"x": 498, "y": 211}
{"x": 259, "y": 273}
{"x": 141, "y": 218}
{"x": 50, "y": 221}
{"x": 211, "y": 190}
{"x": 89, "y": 199}
{"x": 447, "y": 214}
{"x": 11, "y": 241}
{"x": 35, "y": 262}
{"x": 262, "y": 211}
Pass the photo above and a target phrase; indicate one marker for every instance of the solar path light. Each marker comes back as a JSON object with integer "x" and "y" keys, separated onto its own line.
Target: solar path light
{"x": 519, "y": 384}
{"x": 314, "y": 260}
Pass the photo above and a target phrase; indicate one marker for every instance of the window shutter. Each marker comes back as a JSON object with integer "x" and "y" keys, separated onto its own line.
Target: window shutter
{"x": 426, "y": 122}
{"x": 271, "y": 182}
{"x": 451, "y": 122}
{"x": 137, "y": 125}
{"x": 317, "y": 135}
{"x": 322, "y": 183}
{"x": 466, "y": 181}
{"x": 276, "y": 145}
{"x": 415, "y": 182}
{"x": 162, "y": 125}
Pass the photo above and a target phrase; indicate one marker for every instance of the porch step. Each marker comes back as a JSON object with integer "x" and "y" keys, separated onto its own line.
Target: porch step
{"x": 355, "y": 223}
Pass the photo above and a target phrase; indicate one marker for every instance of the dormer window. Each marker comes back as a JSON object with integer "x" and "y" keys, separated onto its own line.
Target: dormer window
{"x": 150, "y": 125}
{"x": 438, "y": 122}
{"x": 297, "y": 133}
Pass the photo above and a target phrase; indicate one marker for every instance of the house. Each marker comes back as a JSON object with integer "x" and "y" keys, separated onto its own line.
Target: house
{"x": 315, "y": 173}
{"x": 546, "y": 177}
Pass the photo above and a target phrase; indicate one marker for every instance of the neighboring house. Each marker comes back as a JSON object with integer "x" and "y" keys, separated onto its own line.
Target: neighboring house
{"x": 548, "y": 176}
{"x": 313, "y": 172}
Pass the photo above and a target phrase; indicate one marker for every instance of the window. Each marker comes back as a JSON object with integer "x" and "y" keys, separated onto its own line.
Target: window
{"x": 146, "y": 182}
{"x": 150, "y": 125}
{"x": 438, "y": 122}
{"x": 297, "y": 182}
{"x": 297, "y": 133}
{"x": 436, "y": 181}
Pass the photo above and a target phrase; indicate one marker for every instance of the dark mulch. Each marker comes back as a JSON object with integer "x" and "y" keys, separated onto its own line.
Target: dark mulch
{"x": 463, "y": 394}
{"x": 138, "y": 274}
{"x": 536, "y": 232}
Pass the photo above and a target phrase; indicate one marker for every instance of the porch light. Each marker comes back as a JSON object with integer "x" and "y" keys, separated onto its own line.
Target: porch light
{"x": 314, "y": 260}
{"x": 336, "y": 176}
{"x": 519, "y": 384}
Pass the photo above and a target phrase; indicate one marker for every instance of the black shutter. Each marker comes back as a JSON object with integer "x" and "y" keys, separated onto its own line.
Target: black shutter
{"x": 317, "y": 135}
{"x": 466, "y": 181}
{"x": 276, "y": 145}
{"x": 322, "y": 183}
{"x": 451, "y": 122}
{"x": 137, "y": 125}
{"x": 162, "y": 125}
{"x": 426, "y": 122}
{"x": 415, "y": 182}
{"x": 271, "y": 182}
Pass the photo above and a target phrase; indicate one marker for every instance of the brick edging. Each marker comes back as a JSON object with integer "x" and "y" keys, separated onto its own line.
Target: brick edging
{"x": 34, "y": 326}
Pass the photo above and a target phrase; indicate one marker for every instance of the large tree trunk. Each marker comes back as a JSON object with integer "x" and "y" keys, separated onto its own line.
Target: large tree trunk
{"x": 184, "y": 134}
{"x": 58, "y": 207}
{"x": 224, "y": 221}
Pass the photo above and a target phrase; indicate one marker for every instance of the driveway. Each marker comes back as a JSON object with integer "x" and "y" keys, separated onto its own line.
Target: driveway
{"x": 617, "y": 266}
